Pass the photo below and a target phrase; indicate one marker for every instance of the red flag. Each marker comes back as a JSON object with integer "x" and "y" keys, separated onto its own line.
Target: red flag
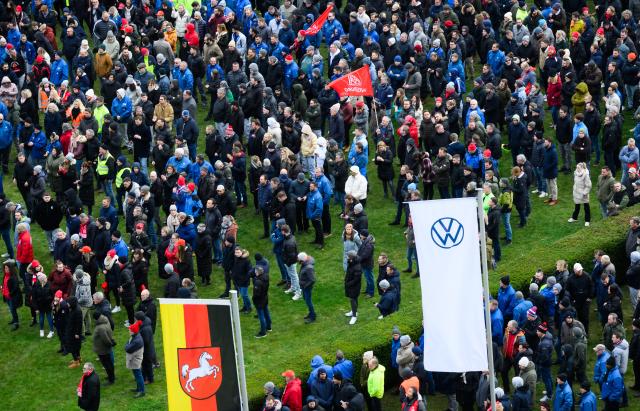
{"x": 356, "y": 83}
{"x": 317, "y": 25}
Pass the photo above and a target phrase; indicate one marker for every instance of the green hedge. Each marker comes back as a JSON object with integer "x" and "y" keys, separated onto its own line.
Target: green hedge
{"x": 608, "y": 235}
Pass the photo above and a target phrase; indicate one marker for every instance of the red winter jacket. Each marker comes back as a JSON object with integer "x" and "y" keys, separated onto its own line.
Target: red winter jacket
{"x": 24, "y": 254}
{"x": 554, "y": 94}
{"x": 292, "y": 396}
{"x": 191, "y": 36}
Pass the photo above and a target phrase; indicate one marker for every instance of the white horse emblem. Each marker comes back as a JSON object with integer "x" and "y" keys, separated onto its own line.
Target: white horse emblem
{"x": 204, "y": 370}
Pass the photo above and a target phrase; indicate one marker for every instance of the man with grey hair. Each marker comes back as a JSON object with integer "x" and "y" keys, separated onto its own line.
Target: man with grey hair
{"x": 388, "y": 300}
{"x": 307, "y": 278}
{"x": 102, "y": 307}
{"x": 220, "y": 110}
{"x": 89, "y": 388}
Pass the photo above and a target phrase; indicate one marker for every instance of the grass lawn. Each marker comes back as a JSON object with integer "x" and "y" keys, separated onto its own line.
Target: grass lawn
{"x": 30, "y": 364}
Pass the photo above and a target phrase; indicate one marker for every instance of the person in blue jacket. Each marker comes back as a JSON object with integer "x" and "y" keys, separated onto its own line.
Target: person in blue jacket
{"x": 600, "y": 367}
{"x": 497, "y": 323}
{"x": 59, "y": 70}
{"x": 521, "y": 306}
{"x": 395, "y": 345}
{"x": 612, "y": 386}
{"x": 343, "y": 365}
{"x": 332, "y": 29}
{"x": 186, "y": 229}
{"x": 118, "y": 244}
{"x": 185, "y": 77}
{"x": 37, "y": 145}
{"x": 6, "y": 138}
{"x": 397, "y": 73}
{"x": 290, "y": 72}
{"x": 563, "y": 398}
{"x": 495, "y": 59}
{"x": 322, "y": 390}
{"x": 506, "y": 295}
{"x": 121, "y": 107}
{"x": 326, "y": 192}
{"x": 588, "y": 400}
{"x": 27, "y": 49}
{"x": 387, "y": 304}
{"x": 317, "y": 364}
{"x": 316, "y": 39}
{"x": 314, "y": 212}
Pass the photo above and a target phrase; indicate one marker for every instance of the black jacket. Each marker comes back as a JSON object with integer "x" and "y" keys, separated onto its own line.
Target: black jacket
{"x": 261, "y": 290}
{"x": 90, "y": 400}
{"x": 148, "y": 307}
{"x": 353, "y": 279}
{"x": 289, "y": 250}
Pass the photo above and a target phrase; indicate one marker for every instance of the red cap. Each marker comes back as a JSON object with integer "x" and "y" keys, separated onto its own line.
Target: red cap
{"x": 360, "y": 104}
{"x": 438, "y": 99}
{"x": 289, "y": 57}
{"x": 472, "y": 147}
{"x": 181, "y": 181}
{"x": 35, "y": 263}
{"x": 111, "y": 253}
{"x": 180, "y": 242}
{"x": 9, "y": 46}
{"x": 144, "y": 51}
{"x": 600, "y": 31}
{"x": 486, "y": 153}
{"x": 128, "y": 29}
{"x": 124, "y": 22}
{"x": 85, "y": 249}
{"x": 142, "y": 287}
{"x": 58, "y": 294}
{"x": 229, "y": 130}
{"x": 585, "y": 9}
{"x": 139, "y": 226}
{"x": 417, "y": 48}
{"x": 191, "y": 187}
{"x": 160, "y": 13}
{"x": 301, "y": 33}
{"x": 289, "y": 374}
{"x": 104, "y": 285}
{"x": 575, "y": 35}
{"x": 135, "y": 327}
{"x": 39, "y": 59}
{"x": 120, "y": 6}
{"x": 448, "y": 23}
{"x": 19, "y": 9}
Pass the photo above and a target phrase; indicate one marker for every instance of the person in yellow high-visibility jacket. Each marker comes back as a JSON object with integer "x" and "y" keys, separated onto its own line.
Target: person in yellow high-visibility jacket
{"x": 375, "y": 384}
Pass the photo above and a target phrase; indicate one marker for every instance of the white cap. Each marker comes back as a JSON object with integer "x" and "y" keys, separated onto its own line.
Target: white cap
{"x": 577, "y": 267}
{"x": 524, "y": 362}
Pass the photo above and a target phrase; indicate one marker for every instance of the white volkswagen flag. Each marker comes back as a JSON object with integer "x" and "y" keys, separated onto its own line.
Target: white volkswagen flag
{"x": 447, "y": 241}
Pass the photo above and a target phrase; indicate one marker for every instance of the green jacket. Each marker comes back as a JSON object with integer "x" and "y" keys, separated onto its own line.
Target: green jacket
{"x": 375, "y": 382}
{"x": 505, "y": 201}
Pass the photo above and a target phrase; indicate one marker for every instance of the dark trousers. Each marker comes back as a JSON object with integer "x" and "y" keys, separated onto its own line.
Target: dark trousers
{"x": 636, "y": 373}
{"x": 107, "y": 362}
{"x": 6, "y": 237}
{"x": 507, "y": 365}
{"x": 306, "y": 295}
{"x": 302, "y": 222}
{"x": 147, "y": 369}
{"x": 587, "y": 212}
{"x": 611, "y": 405}
{"x": 326, "y": 219}
{"x": 227, "y": 281}
{"x": 4, "y": 159}
{"x": 130, "y": 313}
{"x": 582, "y": 309}
{"x": 265, "y": 221}
{"x": 116, "y": 295}
{"x": 354, "y": 306}
{"x": 376, "y": 405}
{"x": 317, "y": 226}
{"x": 497, "y": 251}
{"x": 444, "y": 192}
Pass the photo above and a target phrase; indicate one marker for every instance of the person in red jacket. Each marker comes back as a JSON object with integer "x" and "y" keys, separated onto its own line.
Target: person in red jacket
{"x": 413, "y": 129}
{"x": 191, "y": 36}
{"x": 24, "y": 248}
{"x": 292, "y": 395}
{"x": 554, "y": 95}
{"x": 60, "y": 279}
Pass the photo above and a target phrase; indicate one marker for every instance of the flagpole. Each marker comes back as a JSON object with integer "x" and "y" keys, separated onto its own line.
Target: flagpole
{"x": 237, "y": 335}
{"x": 487, "y": 312}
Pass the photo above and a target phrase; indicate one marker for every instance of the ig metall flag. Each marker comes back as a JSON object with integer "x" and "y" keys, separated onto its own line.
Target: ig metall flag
{"x": 200, "y": 355}
{"x": 447, "y": 242}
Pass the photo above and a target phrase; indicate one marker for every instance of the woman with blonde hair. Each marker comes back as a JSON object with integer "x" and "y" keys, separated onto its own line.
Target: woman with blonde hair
{"x": 581, "y": 189}
{"x": 28, "y": 106}
{"x": 75, "y": 112}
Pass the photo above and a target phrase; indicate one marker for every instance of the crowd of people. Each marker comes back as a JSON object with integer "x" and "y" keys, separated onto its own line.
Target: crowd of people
{"x": 99, "y": 103}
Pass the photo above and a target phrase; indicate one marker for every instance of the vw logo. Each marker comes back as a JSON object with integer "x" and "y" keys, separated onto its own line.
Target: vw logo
{"x": 447, "y": 232}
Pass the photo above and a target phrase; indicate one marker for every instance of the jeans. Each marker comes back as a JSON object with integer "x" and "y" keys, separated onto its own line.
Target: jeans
{"x": 506, "y": 221}
{"x": 107, "y": 186}
{"x": 497, "y": 251}
{"x": 540, "y": 181}
{"x": 220, "y": 127}
{"x": 293, "y": 277}
{"x": 144, "y": 165}
{"x": 6, "y": 237}
{"x": 603, "y": 209}
{"x": 444, "y": 192}
{"x": 246, "y": 302}
{"x": 264, "y": 316}
{"x": 282, "y": 267}
{"x": 137, "y": 375}
{"x": 368, "y": 276}
{"x": 545, "y": 375}
{"x": 629, "y": 91}
{"x": 50, "y": 239}
{"x": 241, "y": 192}
{"x": 49, "y": 320}
{"x": 554, "y": 113}
{"x": 13, "y": 311}
{"x": 338, "y": 197}
{"x": 633, "y": 297}
{"x": 306, "y": 295}
{"x": 217, "y": 250}
{"x": 412, "y": 254}
{"x": 308, "y": 163}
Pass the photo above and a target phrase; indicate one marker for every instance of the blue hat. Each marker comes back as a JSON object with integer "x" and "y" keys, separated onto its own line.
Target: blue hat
{"x": 542, "y": 22}
{"x": 412, "y": 187}
{"x": 397, "y": 59}
{"x": 185, "y": 113}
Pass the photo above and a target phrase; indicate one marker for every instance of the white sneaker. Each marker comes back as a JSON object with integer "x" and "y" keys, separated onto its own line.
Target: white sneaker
{"x": 349, "y": 314}
{"x": 571, "y": 220}
{"x": 296, "y": 296}
{"x": 544, "y": 399}
{"x": 50, "y": 335}
{"x": 534, "y": 191}
{"x": 126, "y": 323}
{"x": 41, "y": 333}
{"x": 116, "y": 309}
{"x": 543, "y": 195}
{"x": 289, "y": 291}
{"x": 380, "y": 317}
{"x": 353, "y": 320}
{"x": 586, "y": 224}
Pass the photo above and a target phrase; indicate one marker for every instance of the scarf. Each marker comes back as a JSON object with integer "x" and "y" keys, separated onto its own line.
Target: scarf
{"x": 84, "y": 375}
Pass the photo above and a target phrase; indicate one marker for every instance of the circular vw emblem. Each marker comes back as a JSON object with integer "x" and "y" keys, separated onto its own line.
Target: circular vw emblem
{"x": 447, "y": 232}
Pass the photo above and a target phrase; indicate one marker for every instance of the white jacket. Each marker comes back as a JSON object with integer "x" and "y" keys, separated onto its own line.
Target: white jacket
{"x": 356, "y": 186}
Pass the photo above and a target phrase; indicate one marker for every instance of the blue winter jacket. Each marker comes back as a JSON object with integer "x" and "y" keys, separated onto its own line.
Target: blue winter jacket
{"x": 6, "y": 134}
{"x": 456, "y": 68}
{"x": 505, "y": 299}
{"x": 588, "y": 402}
{"x": 59, "y": 72}
{"x": 278, "y": 240}
{"x": 314, "y": 205}
{"x": 180, "y": 165}
{"x": 497, "y": 326}
{"x": 324, "y": 188}
{"x": 331, "y": 31}
{"x": 612, "y": 387}
{"x": 29, "y": 50}
{"x": 563, "y": 400}
{"x": 290, "y": 74}
{"x": 39, "y": 146}
{"x": 185, "y": 80}
{"x": 550, "y": 300}
{"x": 600, "y": 368}
{"x": 384, "y": 95}
{"x": 265, "y": 195}
{"x": 188, "y": 233}
{"x": 520, "y": 312}
{"x": 317, "y": 363}
{"x": 495, "y": 59}
{"x": 13, "y": 37}
{"x": 121, "y": 248}
{"x": 345, "y": 367}
{"x": 395, "y": 345}
{"x": 323, "y": 392}
{"x": 122, "y": 108}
